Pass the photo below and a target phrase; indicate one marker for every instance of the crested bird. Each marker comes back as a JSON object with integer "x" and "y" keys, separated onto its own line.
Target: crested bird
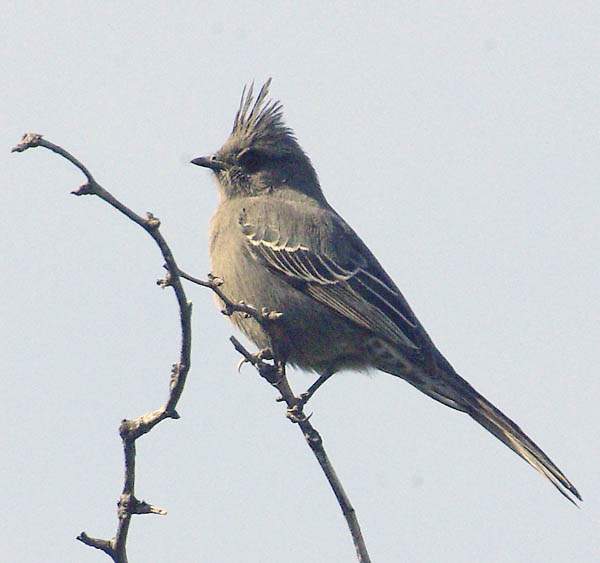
{"x": 278, "y": 245}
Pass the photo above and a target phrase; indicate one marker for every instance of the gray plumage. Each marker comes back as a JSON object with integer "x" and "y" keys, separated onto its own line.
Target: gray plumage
{"x": 278, "y": 245}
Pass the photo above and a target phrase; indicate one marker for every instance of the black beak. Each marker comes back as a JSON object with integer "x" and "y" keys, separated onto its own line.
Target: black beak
{"x": 209, "y": 162}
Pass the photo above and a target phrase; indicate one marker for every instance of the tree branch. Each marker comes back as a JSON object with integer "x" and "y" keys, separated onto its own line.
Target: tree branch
{"x": 276, "y": 376}
{"x": 131, "y": 430}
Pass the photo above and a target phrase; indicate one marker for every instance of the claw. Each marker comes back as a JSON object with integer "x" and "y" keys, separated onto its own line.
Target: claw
{"x": 296, "y": 415}
{"x": 260, "y": 356}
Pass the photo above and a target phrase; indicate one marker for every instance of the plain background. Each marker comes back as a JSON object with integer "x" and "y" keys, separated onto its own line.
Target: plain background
{"x": 460, "y": 140}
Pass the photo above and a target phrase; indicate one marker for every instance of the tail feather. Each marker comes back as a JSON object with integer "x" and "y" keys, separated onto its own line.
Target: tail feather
{"x": 493, "y": 420}
{"x": 447, "y": 387}
{"x": 453, "y": 391}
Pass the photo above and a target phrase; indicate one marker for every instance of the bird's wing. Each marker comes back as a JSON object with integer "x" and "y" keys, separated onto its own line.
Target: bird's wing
{"x": 314, "y": 250}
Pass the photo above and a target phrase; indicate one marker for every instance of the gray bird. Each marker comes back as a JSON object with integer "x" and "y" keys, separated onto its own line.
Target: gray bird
{"x": 277, "y": 244}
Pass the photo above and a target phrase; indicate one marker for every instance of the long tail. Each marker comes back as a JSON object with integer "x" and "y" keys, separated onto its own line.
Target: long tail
{"x": 454, "y": 391}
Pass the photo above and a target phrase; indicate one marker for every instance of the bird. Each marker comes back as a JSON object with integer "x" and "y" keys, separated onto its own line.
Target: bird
{"x": 278, "y": 245}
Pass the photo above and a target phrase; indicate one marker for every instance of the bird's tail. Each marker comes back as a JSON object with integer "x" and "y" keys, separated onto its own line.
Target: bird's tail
{"x": 454, "y": 391}
{"x": 449, "y": 388}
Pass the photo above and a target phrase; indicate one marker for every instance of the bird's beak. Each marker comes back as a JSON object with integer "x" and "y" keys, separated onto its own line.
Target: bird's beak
{"x": 209, "y": 162}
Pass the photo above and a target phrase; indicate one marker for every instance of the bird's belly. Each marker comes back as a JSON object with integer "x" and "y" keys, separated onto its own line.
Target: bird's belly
{"x": 308, "y": 334}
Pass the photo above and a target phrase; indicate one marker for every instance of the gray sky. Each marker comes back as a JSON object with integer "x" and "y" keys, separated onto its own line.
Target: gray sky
{"x": 461, "y": 142}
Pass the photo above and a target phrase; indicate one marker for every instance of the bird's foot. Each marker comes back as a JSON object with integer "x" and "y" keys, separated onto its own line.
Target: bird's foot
{"x": 296, "y": 414}
{"x": 304, "y": 397}
{"x": 256, "y": 359}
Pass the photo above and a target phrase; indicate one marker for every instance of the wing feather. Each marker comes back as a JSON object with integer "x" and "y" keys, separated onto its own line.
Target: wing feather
{"x": 356, "y": 288}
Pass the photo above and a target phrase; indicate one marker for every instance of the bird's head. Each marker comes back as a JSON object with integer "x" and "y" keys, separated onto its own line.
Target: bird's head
{"x": 262, "y": 153}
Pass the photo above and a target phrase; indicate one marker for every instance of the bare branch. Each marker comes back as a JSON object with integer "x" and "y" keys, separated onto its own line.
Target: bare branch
{"x": 131, "y": 430}
{"x": 275, "y": 375}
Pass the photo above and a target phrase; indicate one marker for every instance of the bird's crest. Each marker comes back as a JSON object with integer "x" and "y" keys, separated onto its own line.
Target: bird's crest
{"x": 261, "y": 121}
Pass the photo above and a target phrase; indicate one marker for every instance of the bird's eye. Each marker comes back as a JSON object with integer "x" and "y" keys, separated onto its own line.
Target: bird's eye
{"x": 251, "y": 159}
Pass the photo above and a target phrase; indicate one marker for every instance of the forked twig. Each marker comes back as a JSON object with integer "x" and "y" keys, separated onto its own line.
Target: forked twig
{"x": 131, "y": 430}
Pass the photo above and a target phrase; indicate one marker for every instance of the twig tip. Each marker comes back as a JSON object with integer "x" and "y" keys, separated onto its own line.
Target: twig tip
{"x": 28, "y": 141}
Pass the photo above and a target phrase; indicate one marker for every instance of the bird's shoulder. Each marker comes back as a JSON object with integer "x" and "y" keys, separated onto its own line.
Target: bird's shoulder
{"x": 296, "y": 222}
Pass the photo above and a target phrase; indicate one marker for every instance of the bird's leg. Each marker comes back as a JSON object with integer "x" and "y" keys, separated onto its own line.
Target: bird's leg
{"x": 304, "y": 397}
